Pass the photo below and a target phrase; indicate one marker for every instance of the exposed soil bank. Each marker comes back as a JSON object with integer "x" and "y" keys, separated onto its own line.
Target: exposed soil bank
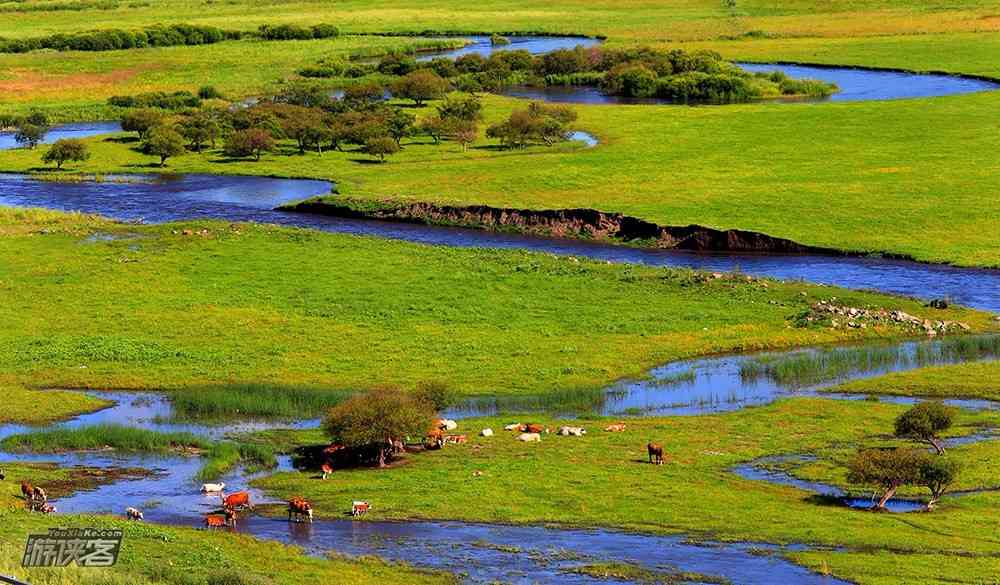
{"x": 587, "y": 224}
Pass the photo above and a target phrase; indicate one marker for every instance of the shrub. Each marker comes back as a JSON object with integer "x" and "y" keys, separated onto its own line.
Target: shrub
{"x": 538, "y": 123}
{"x": 397, "y": 64}
{"x": 630, "y": 81}
{"x": 177, "y": 100}
{"x": 438, "y": 395}
{"x": 325, "y": 31}
{"x": 420, "y": 86}
{"x": 378, "y": 419}
{"x": 164, "y": 142}
{"x": 200, "y": 128}
{"x": 209, "y": 92}
{"x": 66, "y": 149}
{"x": 364, "y": 94}
{"x": 498, "y": 40}
{"x": 250, "y": 142}
{"x": 925, "y": 422}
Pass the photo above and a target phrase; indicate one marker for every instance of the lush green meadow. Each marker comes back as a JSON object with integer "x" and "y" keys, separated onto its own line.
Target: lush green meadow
{"x": 602, "y": 479}
{"x": 161, "y": 555}
{"x": 981, "y": 380}
{"x": 240, "y": 304}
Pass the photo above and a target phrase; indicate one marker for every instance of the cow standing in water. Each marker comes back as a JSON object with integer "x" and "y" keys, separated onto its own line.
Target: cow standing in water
{"x": 236, "y": 501}
{"x": 655, "y": 453}
{"x": 299, "y": 507}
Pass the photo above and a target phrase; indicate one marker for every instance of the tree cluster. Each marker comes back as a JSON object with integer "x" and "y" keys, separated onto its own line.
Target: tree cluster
{"x": 892, "y": 468}
{"x": 538, "y": 123}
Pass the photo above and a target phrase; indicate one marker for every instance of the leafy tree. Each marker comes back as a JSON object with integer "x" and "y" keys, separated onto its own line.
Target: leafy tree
{"x": 420, "y": 86}
{"x": 925, "y": 422}
{"x": 397, "y": 64}
{"x": 258, "y": 117}
{"x": 538, "y": 123}
{"x": 461, "y": 108}
{"x": 200, "y": 128}
{"x": 305, "y": 94}
{"x": 29, "y": 135}
{"x": 433, "y": 126}
{"x": 164, "y": 142}
{"x": 886, "y": 469}
{"x": 381, "y": 147}
{"x": 938, "y": 474}
{"x": 465, "y": 132}
{"x": 250, "y": 142}
{"x": 378, "y": 419}
{"x": 306, "y": 126}
{"x": 364, "y": 94}
{"x": 399, "y": 124}
{"x": 142, "y": 121}
{"x": 358, "y": 127}
{"x": 37, "y": 118}
{"x": 436, "y": 394}
{"x": 66, "y": 149}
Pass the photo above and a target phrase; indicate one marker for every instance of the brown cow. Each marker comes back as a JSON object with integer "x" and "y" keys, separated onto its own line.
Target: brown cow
{"x": 615, "y": 428}
{"x": 534, "y": 428}
{"x": 27, "y": 490}
{"x": 299, "y": 507}
{"x": 327, "y": 469}
{"x": 435, "y": 438}
{"x": 655, "y": 453}
{"x": 359, "y": 508}
{"x": 216, "y": 521}
{"x": 456, "y": 439}
{"x": 237, "y": 500}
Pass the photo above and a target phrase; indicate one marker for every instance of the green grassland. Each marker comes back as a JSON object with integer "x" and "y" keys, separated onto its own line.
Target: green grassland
{"x": 603, "y": 479}
{"x": 225, "y": 305}
{"x": 981, "y": 380}
{"x": 160, "y": 555}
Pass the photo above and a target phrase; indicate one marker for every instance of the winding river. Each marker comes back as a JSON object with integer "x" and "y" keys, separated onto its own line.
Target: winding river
{"x": 489, "y": 553}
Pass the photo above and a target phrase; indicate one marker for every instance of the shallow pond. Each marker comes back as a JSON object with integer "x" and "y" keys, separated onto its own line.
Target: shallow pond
{"x": 155, "y": 198}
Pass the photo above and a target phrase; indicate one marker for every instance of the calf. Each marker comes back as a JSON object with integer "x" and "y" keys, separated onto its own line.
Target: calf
{"x": 456, "y": 439}
{"x": 133, "y": 514}
{"x": 615, "y": 428}
{"x": 211, "y": 488}
{"x": 435, "y": 438}
{"x": 236, "y": 501}
{"x": 327, "y": 469}
{"x": 299, "y": 507}
{"x": 572, "y": 431}
{"x": 530, "y": 437}
{"x": 215, "y": 521}
{"x": 45, "y": 508}
{"x": 449, "y": 425}
{"x": 655, "y": 453}
{"x": 359, "y": 508}
{"x": 39, "y": 494}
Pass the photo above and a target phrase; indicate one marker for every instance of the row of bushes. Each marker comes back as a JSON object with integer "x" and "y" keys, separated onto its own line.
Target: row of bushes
{"x": 160, "y": 36}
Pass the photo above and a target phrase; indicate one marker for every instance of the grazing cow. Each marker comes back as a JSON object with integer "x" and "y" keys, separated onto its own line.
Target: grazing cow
{"x": 27, "y": 490}
{"x": 236, "y": 501}
{"x": 299, "y": 507}
{"x": 572, "y": 431}
{"x": 211, "y": 488}
{"x": 655, "y": 453}
{"x": 514, "y": 427}
{"x": 615, "y": 428}
{"x": 486, "y": 433}
{"x": 456, "y": 439}
{"x": 133, "y": 514}
{"x": 359, "y": 508}
{"x": 530, "y": 437}
{"x": 327, "y": 469}
{"x": 45, "y": 508}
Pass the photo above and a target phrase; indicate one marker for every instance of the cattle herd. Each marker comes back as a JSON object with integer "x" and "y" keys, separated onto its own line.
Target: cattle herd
{"x": 299, "y": 509}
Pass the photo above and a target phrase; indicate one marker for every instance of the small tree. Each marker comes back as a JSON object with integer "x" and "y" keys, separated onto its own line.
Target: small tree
{"x": 200, "y": 128}
{"x": 938, "y": 474}
{"x": 420, "y": 86}
{"x": 925, "y": 422}
{"x": 400, "y": 125}
{"x": 378, "y": 420}
{"x": 142, "y": 121}
{"x": 252, "y": 142}
{"x": 364, "y": 94}
{"x": 887, "y": 470}
{"x": 66, "y": 149}
{"x": 381, "y": 147}
{"x": 164, "y": 142}
{"x": 30, "y": 135}
{"x": 465, "y": 132}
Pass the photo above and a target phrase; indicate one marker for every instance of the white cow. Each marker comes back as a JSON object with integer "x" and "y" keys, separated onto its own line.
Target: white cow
{"x": 572, "y": 431}
{"x": 211, "y": 488}
{"x": 449, "y": 425}
{"x": 133, "y": 513}
{"x": 530, "y": 437}
{"x": 486, "y": 433}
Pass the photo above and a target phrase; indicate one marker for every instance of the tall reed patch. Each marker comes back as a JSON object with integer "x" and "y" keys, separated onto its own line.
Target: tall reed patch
{"x": 225, "y": 456}
{"x": 817, "y": 366}
{"x": 254, "y": 400}
{"x": 118, "y": 437}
